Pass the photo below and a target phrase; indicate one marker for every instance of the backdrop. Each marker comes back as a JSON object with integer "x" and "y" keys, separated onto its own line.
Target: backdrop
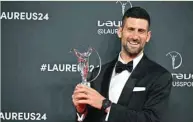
{"x": 39, "y": 74}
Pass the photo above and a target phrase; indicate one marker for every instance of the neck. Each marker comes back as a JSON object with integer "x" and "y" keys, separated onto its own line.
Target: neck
{"x": 127, "y": 58}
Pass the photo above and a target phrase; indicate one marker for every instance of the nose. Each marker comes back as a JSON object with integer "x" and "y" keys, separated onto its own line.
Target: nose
{"x": 135, "y": 35}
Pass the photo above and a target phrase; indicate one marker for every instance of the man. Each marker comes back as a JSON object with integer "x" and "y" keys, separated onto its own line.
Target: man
{"x": 131, "y": 88}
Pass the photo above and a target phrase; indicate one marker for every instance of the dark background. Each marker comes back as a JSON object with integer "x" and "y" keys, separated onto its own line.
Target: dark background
{"x": 27, "y": 44}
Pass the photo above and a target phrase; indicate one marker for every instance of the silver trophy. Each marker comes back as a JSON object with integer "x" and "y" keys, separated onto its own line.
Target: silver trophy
{"x": 123, "y": 5}
{"x": 83, "y": 63}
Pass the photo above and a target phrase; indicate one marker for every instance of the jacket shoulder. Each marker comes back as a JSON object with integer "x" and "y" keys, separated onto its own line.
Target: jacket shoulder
{"x": 155, "y": 67}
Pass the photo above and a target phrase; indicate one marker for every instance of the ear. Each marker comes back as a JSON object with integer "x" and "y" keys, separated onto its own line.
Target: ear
{"x": 148, "y": 36}
{"x": 119, "y": 32}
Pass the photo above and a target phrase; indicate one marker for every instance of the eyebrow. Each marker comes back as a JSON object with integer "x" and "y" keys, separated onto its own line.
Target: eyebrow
{"x": 139, "y": 29}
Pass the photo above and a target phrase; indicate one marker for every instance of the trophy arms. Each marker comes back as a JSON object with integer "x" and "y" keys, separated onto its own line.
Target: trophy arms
{"x": 82, "y": 56}
{"x": 88, "y": 53}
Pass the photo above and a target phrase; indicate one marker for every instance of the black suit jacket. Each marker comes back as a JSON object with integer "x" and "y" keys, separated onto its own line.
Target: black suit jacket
{"x": 142, "y": 106}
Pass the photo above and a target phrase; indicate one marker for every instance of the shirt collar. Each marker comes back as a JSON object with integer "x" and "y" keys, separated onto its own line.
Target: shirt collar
{"x": 135, "y": 60}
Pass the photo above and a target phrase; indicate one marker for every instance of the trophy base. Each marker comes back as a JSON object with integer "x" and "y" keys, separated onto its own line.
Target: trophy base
{"x": 86, "y": 83}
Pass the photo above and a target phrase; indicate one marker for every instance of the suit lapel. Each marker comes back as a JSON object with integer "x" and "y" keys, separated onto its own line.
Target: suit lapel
{"x": 106, "y": 78}
{"x": 138, "y": 73}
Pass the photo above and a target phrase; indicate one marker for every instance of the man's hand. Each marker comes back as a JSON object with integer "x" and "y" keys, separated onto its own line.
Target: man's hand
{"x": 79, "y": 107}
{"x": 86, "y": 95}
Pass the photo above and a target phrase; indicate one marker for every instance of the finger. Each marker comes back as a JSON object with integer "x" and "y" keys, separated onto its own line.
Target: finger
{"x": 75, "y": 102}
{"x": 87, "y": 88}
{"x": 81, "y": 96}
{"x": 86, "y": 101}
{"x": 80, "y": 85}
{"x": 73, "y": 99}
{"x": 82, "y": 90}
{"x": 78, "y": 88}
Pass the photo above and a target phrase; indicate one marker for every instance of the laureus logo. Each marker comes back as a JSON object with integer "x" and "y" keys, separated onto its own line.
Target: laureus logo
{"x": 111, "y": 26}
{"x": 123, "y": 5}
{"x": 176, "y": 59}
{"x": 180, "y": 79}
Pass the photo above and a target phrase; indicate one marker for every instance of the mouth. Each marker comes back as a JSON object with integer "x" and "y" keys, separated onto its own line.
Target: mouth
{"x": 133, "y": 43}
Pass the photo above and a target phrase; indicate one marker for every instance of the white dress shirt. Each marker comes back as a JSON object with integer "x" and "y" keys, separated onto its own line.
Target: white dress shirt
{"x": 118, "y": 80}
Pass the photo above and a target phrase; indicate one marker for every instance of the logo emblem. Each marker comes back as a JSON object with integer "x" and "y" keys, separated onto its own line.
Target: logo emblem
{"x": 175, "y": 56}
{"x": 123, "y": 4}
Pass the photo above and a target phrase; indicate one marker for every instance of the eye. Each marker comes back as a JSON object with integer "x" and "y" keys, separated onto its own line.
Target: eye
{"x": 141, "y": 30}
{"x": 130, "y": 29}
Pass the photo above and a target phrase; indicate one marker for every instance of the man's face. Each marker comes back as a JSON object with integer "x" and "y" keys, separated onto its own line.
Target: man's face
{"x": 134, "y": 34}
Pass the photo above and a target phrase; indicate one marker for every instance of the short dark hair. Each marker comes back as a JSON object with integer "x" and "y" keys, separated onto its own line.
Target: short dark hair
{"x": 136, "y": 12}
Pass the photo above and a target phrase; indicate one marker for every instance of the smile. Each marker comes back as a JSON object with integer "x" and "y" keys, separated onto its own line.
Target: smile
{"x": 133, "y": 43}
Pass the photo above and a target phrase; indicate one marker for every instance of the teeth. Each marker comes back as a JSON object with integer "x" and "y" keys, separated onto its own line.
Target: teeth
{"x": 134, "y": 43}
